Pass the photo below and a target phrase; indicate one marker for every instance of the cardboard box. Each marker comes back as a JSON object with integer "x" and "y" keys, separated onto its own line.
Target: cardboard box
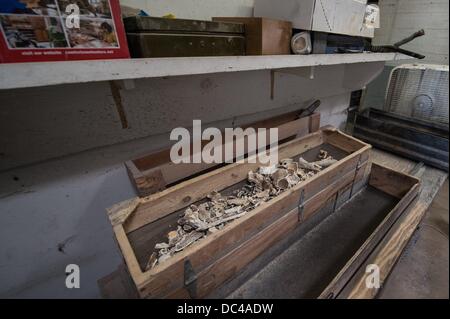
{"x": 264, "y": 36}
{"x": 42, "y": 30}
{"x": 340, "y": 17}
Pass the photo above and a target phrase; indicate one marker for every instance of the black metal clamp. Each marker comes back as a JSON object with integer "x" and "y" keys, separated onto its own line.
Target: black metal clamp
{"x": 396, "y": 47}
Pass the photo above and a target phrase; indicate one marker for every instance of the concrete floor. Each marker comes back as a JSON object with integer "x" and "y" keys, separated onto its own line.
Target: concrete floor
{"x": 422, "y": 270}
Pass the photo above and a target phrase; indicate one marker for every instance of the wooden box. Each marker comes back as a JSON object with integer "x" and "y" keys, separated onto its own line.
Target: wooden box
{"x": 195, "y": 272}
{"x": 150, "y": 37}
{"x": 153, "y": 172}
{"x": 341, "y": 17}
{"x": 264, "y": 36}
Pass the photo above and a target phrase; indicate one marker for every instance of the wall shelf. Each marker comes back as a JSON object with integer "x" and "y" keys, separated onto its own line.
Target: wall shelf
{"x": 27, "y": 75}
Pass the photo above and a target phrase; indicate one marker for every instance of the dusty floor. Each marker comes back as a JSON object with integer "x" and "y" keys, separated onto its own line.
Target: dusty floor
{"x": 422, "y": 271}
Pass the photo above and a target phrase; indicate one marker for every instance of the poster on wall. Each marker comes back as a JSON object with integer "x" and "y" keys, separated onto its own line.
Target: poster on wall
{"x": 59, "y": 30}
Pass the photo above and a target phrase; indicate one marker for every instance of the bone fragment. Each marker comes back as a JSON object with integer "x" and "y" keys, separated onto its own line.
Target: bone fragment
{"x": 302, "y": 163}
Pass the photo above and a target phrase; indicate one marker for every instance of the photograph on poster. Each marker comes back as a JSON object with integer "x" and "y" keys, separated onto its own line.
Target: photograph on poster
{"x": 88, "y": 8}
{"x": 23, "y": 31}
{"x": 29, "y": 7}
{"x": 93, "y": 33}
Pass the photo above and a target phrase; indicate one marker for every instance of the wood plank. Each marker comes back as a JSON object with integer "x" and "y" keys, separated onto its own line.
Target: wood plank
{"x": 314, "y": 124}
{"x": 158, "y": 205}
{"x": 341, "y": 140}
{"x": 155, "y": 159}
{"x": 394, "y": 162}
{"x": 36, "y": 74}
{"x": 229, "y": 265}
{"x": 390, "y": 181}
{"x": 391, "y": 249}
{"x": 153, "y": 172}
{"x": 171, "y": 172}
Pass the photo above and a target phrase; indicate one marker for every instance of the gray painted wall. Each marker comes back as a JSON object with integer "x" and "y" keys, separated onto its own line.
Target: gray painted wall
{"x": 194, "y": 9}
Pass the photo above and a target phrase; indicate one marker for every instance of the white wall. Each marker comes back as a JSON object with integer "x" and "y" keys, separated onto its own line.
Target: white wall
{"x": 194, "y": 9}
{"x": 400, "y": 18}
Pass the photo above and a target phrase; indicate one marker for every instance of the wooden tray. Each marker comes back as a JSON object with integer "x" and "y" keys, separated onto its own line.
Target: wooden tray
{"x": 142, "y": 222}
{"x": 153, "y": 172}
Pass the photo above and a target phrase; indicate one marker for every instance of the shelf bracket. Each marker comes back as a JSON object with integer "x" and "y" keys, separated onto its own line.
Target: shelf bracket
{"x": 115, "y": 91}
{"x": 307, "y": 72}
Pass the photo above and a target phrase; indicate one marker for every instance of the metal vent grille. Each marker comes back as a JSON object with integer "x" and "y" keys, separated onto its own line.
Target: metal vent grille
{"x": 419, "y": 91}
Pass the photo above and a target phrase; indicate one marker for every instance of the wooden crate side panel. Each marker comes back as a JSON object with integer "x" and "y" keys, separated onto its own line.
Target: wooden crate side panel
{"x": 174, "y": 172}
{"x": 159, "y": 163}
{"x": 276, "y": 37}
{"x": 128, "y": 254}
{"x": 386, "y": 254}
{"x": 391, "y": 182}
{"x": 148, "y": 161}
{"x": 342, "y": 140}
{"x": 314, "y": 122}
